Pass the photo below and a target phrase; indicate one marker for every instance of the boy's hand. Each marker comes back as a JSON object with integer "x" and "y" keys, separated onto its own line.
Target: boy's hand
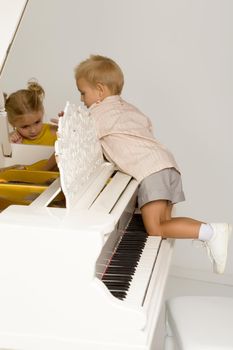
{"x": 55, "y": 120}
{"x": 15, "y": 137}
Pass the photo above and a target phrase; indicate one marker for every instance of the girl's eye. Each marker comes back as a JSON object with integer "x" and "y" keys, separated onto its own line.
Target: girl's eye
{"x": 28, "y": 126}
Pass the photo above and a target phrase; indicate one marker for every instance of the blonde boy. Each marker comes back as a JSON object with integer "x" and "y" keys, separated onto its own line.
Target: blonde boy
{"x": 127, "y": 140}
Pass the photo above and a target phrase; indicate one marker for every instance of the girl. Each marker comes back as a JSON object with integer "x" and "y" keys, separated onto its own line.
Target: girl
{"x": 25, "y": 112}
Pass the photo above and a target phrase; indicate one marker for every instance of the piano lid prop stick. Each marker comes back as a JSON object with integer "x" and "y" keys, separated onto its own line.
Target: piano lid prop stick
{"x": 4, "y": 131}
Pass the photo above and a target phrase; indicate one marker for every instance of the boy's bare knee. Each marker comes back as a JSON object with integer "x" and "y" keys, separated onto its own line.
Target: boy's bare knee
{"x": 155, "y": 233}
{"x": 153, "y": 215}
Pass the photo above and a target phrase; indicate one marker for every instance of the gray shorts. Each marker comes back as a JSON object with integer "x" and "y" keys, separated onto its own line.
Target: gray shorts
{"x": 165, "y": 184}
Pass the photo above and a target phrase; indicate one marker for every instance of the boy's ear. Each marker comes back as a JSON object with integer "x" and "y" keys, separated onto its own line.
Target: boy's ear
{"x": 103, "y": 90}
{"x": 100, "y": 87}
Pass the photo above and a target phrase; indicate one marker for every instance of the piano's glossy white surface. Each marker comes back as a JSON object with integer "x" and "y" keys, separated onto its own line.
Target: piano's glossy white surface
{"x": 52, "y": 261}
{"x": 50, "y": 294}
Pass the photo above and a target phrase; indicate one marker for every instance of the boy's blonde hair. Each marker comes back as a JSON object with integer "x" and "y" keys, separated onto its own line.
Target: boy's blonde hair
{"x": 99, "y": 69}
{"x": 25, "y": 101}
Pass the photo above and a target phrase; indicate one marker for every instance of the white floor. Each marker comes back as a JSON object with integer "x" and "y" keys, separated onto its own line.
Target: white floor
{"x": 177, "y": 286}
{"x": 185, "y": 286}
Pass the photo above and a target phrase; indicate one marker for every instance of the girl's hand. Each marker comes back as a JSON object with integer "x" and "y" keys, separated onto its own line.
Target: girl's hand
{"x": 55, "y": 120}
{"x": 15, "y": 137}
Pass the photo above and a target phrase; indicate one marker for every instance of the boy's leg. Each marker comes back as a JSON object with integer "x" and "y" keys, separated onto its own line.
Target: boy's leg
{"x": 153, "y": 213}
{"x": 157, "y": 220}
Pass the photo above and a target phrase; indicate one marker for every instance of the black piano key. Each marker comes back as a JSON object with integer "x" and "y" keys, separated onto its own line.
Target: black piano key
{"x": 119, "y": 295}
{"x": 123, "y": 286}
{"x": 117, "y": 286}
{"x": 124, "y": 253}
{"x": 131, "y": 252}
{"x": 121, "y": 263}
{"x": 108, "y": 277}
{"x": 117, "y": 290}
{"x": 131, "y": 243}
{"x": 113, "y": 270}
{"x": 130, "y": 240}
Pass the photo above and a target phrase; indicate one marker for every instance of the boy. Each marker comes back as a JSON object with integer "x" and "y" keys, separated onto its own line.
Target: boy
{"x": 127, "y": 141}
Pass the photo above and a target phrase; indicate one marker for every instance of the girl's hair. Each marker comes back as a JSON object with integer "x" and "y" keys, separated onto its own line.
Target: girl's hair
{"x": 25, "y": 101}
{"x": 100, "y": 69}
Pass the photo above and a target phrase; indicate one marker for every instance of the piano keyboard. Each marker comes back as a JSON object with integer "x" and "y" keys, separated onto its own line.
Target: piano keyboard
{"x": 128, "y": 273}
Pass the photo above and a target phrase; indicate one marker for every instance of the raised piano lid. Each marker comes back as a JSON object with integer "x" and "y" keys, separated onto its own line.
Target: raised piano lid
{"x": 11, "y": 16}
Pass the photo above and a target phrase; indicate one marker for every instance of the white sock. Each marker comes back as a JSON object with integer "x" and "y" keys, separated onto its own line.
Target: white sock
{"x": 206, "y": 232}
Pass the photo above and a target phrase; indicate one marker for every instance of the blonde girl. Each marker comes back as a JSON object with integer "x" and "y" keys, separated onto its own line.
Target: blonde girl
{"x": 25, "y": 112}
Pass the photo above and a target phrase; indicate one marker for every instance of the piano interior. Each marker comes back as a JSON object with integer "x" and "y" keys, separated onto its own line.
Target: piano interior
{"x": 22, "y": 187}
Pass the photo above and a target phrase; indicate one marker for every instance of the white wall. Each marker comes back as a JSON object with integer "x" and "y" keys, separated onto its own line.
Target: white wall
{"x": 177, "y": 60}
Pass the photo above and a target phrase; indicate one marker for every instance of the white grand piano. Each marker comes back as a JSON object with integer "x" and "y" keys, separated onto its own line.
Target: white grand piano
{"x": 85, "y": 276}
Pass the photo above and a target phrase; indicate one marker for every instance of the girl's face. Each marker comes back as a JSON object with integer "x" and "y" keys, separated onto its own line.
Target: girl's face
{"x": 30, "y": 125}
{"x": 89, "y": 94}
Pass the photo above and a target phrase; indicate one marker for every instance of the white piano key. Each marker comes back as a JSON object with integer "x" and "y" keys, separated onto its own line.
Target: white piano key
{"x": 141, "y": 277}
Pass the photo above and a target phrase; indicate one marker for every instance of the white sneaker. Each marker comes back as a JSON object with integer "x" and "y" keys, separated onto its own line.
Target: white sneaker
{"x": 217, "y": 246}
